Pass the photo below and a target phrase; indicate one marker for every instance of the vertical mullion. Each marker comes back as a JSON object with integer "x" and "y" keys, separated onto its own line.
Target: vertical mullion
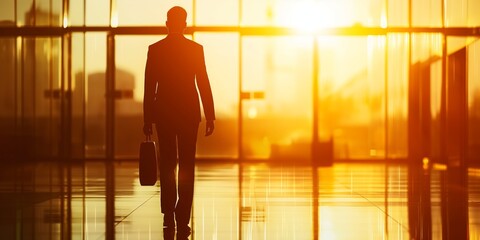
{"x": 240, "y": 133}
{"x": 240, "y": 121}
{"x": 409, "y": 64}
{"x": 84, "y": 136}
{"x": 386, "y": 125}
{"x": 240, "y": 83}
{"x": 110, "y": 131}
{"x": 314, "y": 154}
{"x": 443, "y": 94}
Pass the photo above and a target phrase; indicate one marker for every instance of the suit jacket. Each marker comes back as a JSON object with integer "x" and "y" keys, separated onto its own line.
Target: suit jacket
{"x": 174, "y": 65}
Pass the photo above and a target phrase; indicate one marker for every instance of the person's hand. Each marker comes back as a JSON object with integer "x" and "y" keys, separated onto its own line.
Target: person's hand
{"x": 209, "y": 128}
{"x": 147, "y": 129}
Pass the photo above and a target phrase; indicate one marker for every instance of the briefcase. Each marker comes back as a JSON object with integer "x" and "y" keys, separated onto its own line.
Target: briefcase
{"x": 147, "y": 169}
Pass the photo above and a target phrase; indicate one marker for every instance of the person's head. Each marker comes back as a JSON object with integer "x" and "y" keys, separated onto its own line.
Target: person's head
{"x": 176, "y": 19}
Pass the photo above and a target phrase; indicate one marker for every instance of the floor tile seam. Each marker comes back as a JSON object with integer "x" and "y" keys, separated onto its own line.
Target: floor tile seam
{"x": 379, "y": 208}
{"x": 139, "y": 206}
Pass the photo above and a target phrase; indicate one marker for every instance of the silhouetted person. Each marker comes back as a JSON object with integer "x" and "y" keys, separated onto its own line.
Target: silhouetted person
{"x": 175, "y": 68}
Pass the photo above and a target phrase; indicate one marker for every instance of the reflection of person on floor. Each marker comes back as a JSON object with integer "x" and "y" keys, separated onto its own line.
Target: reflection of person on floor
{"x": 175, "y": 68}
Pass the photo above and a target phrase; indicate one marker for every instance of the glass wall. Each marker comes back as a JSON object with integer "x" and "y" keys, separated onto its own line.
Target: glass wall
{"x": 374, "y": 88}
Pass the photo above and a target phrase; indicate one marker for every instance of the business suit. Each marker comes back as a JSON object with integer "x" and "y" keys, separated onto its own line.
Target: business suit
{"x": 175, "y": 68}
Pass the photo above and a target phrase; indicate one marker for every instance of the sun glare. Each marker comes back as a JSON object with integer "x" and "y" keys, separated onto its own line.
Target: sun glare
{"x": 310, "y": 16}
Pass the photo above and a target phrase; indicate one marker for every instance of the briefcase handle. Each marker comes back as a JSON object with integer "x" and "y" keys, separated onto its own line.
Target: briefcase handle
{"x": 148, "y": 137}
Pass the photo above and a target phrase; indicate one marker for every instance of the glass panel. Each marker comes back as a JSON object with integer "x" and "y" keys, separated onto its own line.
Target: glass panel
{"x": 462, "y": 13}
{"x": 39, "y": 95}
{"x": 398, "y": 67}
{"x": 149, "y": 12}
{"x": 456, "y": 13}
{"x": 424, "y": 83}
{"x": 435, "y": 108}
{"x": 277, "y": 97}
{"x": 25, "y": 16}
{"x": 56, "y": 77}
{"x": 397, "y": 13}
{"x": 56, "y": 13}
{"x": 221, "y": 57}
{"x": 48, "y": 13}
{"x": 352, "y": 95}
{"x": 78, "y": 94}
{"x": 472, "y": 13}
{"x": 456, "y": 101}
{"x": 40, "y": 50}
{"x": 7, "y": 12}
{"x": 95, "y": 68}
{"x": 42, "y": 13}
{"x": 473, "y": 78}
{"x": 8, "y": 101}
{"x": 76, "y": 13}
{"x": 256, "y": 12}
{"x": 426, "y": 13}
{"x": 316, "y": 14}
{"x": 216, "y": 12}
{"x": 426, "y": 47}
{"x": 97, "y": 12}
{"x": 130, "y": 57}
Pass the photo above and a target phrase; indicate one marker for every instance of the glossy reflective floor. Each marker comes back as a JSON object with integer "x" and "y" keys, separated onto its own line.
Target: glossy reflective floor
{"x": 248, "y": 201}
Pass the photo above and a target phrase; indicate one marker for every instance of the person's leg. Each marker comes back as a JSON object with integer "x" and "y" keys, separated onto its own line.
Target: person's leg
{"x": 187, "y": 139}
{"x": 167, "y": 164}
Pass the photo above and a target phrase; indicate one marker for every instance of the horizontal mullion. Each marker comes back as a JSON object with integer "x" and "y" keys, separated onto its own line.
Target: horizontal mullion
{"x": 259, "y": 31}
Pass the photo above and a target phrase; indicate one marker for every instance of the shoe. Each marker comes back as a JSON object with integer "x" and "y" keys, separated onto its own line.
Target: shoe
{"x": 183, "y": 232}
{"x": 169, "y": 220}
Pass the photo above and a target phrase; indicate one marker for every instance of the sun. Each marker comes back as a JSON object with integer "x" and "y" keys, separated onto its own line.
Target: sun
{"x": 310, "y": 16}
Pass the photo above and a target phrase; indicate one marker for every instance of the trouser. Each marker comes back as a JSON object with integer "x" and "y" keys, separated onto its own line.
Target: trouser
{"x": 176, "y": 138}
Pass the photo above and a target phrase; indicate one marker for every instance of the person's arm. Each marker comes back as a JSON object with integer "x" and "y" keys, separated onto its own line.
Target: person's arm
{"x": 149, "y": 94}
{"x": 206, "y": 96}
